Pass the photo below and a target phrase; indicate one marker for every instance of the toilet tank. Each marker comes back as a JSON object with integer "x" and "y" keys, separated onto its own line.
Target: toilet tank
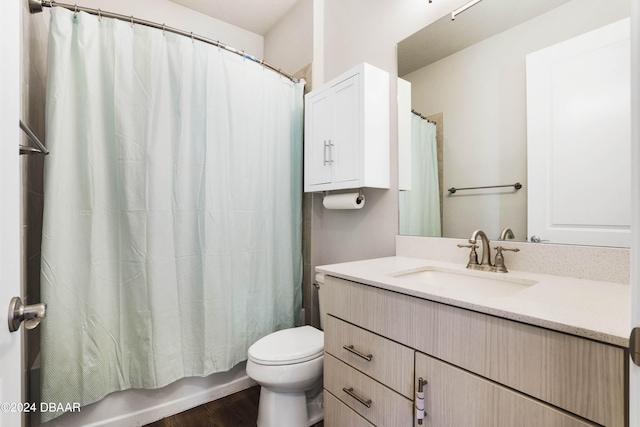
{"x": 319, "y": 284}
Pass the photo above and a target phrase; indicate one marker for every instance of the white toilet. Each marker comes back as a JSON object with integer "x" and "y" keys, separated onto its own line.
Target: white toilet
{"x": 288, "y": 364}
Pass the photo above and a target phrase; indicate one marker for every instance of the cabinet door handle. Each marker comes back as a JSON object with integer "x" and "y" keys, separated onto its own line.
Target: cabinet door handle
{"x": 330, "y": 145}
{"x": 350, "y": 392}
{"x": 327, "y": 144}
{"x": 420, "y": 412}
{"x": 324, "y": 153}
{"x": 350, "y": 349}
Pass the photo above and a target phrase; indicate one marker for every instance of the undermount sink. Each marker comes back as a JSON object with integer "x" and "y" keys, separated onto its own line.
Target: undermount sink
{"x": 480, "y": 285}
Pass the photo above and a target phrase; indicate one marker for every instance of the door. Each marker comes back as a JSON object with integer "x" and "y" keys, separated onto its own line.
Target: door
{"x": 634, "y": 370}
{"x": 578, "y": 141}
{"x": 317, "y": 139}
{"x": 10, "y": 343}
{"x": 346, "y": 119}
{"x": 454, "y": 397}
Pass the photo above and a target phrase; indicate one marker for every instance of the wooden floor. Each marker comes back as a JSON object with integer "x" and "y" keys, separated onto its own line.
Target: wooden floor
{"x": 237, "y": 410}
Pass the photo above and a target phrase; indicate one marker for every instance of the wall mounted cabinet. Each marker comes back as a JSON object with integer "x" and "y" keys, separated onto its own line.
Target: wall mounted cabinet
{"x": 347, "y": 132}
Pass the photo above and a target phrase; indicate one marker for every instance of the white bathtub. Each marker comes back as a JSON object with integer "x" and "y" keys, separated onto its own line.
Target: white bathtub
{"x": 140, "y": 407}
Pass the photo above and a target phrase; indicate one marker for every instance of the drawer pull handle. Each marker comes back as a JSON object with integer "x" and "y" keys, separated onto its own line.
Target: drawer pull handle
{"x": 350, "y": 392}
{"x": 350, "y": 349}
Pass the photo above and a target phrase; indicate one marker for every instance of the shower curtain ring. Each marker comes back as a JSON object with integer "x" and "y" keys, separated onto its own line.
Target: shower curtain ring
{"x": 131, "y": 21}
{"x": 75, "y": 11}
{"x": 163, "y": 28}
{"x": 99, "y": 15}
{"x": 192, "y": 37}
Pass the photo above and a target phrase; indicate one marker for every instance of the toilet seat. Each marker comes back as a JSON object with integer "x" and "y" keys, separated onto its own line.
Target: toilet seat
{"x": 288, "y": 346}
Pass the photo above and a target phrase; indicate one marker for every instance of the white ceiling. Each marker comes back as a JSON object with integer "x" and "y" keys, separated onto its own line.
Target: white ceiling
{"x": 257, "y": 16}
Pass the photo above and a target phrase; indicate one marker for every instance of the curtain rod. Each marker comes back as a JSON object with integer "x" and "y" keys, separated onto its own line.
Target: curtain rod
{"x": 32, "y": 136}
{"x": 423, "y": 117}
{"x": 35, "y": 6}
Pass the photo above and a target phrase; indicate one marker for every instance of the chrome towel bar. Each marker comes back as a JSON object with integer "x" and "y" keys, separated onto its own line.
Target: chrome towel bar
{"x": 517, "y": 186}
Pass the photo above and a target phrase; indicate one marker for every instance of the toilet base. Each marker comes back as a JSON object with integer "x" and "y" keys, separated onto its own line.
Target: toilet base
{"x": 288, "y": 410}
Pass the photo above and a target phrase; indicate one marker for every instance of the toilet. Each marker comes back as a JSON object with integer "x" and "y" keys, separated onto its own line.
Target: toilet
{"x": 288, "y": 365}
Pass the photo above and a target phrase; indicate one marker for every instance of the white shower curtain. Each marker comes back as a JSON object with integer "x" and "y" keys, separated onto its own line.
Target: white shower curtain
{"x": 420, "y": 206}
{"x": 172, "y": 223}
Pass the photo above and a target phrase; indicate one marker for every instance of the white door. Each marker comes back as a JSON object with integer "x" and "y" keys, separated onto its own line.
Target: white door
{"x": 317, "y": 168}
{"x": 345, "y": 141}
{"x": 634, "y": 370}
{"x": 10, "y": 343}
{"x": 578, "y": 140}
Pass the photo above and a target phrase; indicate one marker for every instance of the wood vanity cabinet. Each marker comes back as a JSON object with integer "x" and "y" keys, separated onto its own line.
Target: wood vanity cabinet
{"x": 481, "y": 370}
{"x": 346, "y": 135}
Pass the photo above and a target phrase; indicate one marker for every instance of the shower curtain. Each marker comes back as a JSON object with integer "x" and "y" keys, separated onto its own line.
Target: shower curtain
{"x": 172, "y": 223}
{"x": 420, "y": 206}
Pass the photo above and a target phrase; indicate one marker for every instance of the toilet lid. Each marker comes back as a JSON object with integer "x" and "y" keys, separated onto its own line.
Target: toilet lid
{"x": 288, "y": 346}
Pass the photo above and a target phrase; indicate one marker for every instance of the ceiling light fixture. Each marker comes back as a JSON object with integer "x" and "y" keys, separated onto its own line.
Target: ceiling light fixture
{"x": 463, "y": 8}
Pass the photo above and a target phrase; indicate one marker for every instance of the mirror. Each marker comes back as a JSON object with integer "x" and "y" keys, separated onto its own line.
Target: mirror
{"x": 469, "y": 75}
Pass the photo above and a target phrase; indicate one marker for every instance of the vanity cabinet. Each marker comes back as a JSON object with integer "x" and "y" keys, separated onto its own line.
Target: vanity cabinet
{"x": 346, "y": 136}
{"x": 481, "y": 370}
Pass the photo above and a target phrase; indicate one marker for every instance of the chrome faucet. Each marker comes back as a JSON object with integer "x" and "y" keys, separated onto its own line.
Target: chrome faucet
{"x": 485, "y": 264}
{"x": 507, "y": 233}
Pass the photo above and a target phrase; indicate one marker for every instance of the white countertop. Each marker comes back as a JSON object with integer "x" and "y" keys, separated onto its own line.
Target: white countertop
{"x": 587, "y": 308}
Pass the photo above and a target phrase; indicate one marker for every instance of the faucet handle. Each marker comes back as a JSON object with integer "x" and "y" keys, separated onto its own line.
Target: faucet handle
{"x": 500, "y": 249}
{"x": 468, "y": 246}
{"x": 473, "y": 256}
{"x": 499, "y": 260}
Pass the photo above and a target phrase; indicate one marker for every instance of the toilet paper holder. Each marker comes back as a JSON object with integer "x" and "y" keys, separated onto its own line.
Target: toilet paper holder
{"x": 344, "y": 200}
{"x": 360, "y": 195}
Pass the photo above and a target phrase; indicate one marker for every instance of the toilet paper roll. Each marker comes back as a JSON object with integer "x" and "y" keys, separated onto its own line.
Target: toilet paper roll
{"x": 343, "y": 201}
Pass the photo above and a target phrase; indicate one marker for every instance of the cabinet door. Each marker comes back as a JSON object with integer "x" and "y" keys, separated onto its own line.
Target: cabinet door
{"x": 454, "y": 397}
{"x": 345, "y": 153}
{"x": 317, "y": 139}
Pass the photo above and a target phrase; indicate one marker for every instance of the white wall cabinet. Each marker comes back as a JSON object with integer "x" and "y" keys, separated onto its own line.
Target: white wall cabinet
{"x": 347, "y": 132}
{"x": 481, "y": 370}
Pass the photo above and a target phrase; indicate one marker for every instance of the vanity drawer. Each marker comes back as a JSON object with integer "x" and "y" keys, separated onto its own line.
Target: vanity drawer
{"x": 576, "y": 374}
{"x": 337, "y": 414}
{"x": 388, "y": 362}
{"x": 453, "y": 397}
{"x": 386, "y": 407}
